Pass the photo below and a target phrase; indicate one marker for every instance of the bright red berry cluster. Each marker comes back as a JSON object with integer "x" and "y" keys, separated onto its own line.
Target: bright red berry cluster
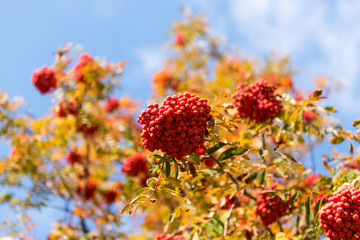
{"x": 169, "y": 237}
{"x": 272, "y": 208}
{"x": 136, "y": 165}
{"x": 73, "y": 157}
{"x": 88, "y": 190}
{"x": 66, "y": 107}
{"x": 110, "y": 195}
{"x": 257, "y": 102}
{"x": 179, "y": 39}
{"x": 83, "y": 60}
{"x": 309, "y": 116}
{"x": 340, "y": 216}
{"x": 177, "y": 126}
{"x": 111, "y": 104}
{"x": 44, "y": 79}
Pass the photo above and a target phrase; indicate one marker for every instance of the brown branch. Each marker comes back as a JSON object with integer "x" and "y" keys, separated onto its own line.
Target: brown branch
{"x": 229, "y": 215}
{"x": 280, "y": 225}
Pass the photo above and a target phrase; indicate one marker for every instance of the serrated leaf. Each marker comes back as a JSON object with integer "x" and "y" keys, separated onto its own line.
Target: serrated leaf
{"x": 289, "y": 156}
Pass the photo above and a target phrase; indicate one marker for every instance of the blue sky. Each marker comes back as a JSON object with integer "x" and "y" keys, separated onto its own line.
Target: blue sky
{"x": 322, "y": 37}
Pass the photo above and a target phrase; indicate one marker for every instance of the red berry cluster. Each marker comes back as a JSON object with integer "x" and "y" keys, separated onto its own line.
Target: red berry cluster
{"x": 309, "y": 116}
{"x": 272, "y": 208}
{"x": 110, "y": 195}
{"x": 340, "y": 216}
{"x": 111, "y": 104}
{"x": 66, "y": 107}
{"x": 230, "y": 201}
{"x": 44, "y": 79}
{"x": 169, "y": 237}
{"x": 257, "y": 101}
{"x": 177, "y": 126}
{"x": 73, "y": 157}
{"x": 136, "y": 165}
{"x": 83, "y": 60}
{"x": 87, "y": 191}
{"x": 179, "y": 39}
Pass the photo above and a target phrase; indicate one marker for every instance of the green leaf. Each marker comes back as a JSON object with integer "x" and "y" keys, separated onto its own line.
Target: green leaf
{"x": 167, "y": 169}
{"x": 288, "y": 155}
{"x": 356, "y": 123}
{"x": 151, "y": 181}
{"x": 176, "y": 168}
{"x": 262, "y": 177}
{"x": 307, "y": 210}
{"x": 330, "y": 109}
{"x": 292, "y": 199}
{"x": 144, "y": 190}
{"x": 215, "y": 147}
{"x": 195, "y": 157}
{"x": 139, "y": 198}
{"x": 317, "y": 206}
{"x": 251, "y": 178}
{"x": 232, "y": 151}
{"x": 336, "y": 140}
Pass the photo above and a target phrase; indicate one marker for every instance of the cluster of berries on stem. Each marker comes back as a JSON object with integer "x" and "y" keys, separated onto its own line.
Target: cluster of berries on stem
{"x": 177, "y": 126}
{"x": 136, "y": 165}
{"x": 270, "y": 208}
{"x": 340, "y": 216}
{"x": 257, "y": 102}
{"x": 83, "y": 60}
{"x": 111, "y": 104}
{"x": 44, "y": 79}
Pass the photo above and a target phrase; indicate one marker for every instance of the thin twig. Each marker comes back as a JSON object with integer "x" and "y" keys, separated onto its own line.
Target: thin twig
{"x": 280, "y": 225}
{"x": 229, "y": 215}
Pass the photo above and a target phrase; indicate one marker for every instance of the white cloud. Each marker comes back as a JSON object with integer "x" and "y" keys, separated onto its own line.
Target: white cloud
{"x": 151, "y": 59}
{"x": 321, "y": 36}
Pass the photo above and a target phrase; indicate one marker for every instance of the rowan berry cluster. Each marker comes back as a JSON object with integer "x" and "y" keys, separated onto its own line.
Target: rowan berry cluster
{"x": 177, "y": 126}
{"x": 309, "y": 116}
{"x": 257, "y": 102}
{"x": 136, "y": 165}
{"x": 340, "y": 216}
{"x": 66, "y": 107}
{"x": 272, "y": 208}
{"x": 111, "y": 104}
{"x": 179, "y": 39}
{"x": 110, "y": 195}
{"x": 44, "y": 79}
{"x": 88, "y": 190}
{"x": 83, "y": 60}
{"x": 73, "y": 157}
{"x": 169, "y": 237}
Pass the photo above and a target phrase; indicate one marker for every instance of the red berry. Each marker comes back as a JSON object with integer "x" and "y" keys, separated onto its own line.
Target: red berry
{"x": 87, "y": 191}
{"x": 271, "y": 209}
{"x": 83, "y": 60}
{"x": 169, "y": 237}
{"x": 66, "y": 107}
{"x": 209, "y": 162}
{"x": 339, "y": 217}
{"x": 73, "y": 157}
{"x": 179, "y": 39}
{"x": 257, "y": 102}
{"x": 309, "y": 116}
{"x": 44, "y": 79}
{"x": 172, "y": 127}
{"x": 110, "y": 195}
{"x": 111, "y": 104}
{"x": 136, "y": 165}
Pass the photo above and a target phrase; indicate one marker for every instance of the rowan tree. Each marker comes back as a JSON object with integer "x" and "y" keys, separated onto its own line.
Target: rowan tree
{"x": 218, "y": 153}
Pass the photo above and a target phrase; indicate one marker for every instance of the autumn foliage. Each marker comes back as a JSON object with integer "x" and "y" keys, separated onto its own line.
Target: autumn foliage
{"x": 221, "y": 151}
